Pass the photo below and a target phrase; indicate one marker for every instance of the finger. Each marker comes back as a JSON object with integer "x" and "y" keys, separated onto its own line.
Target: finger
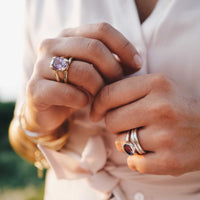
{"x": 161, "y": 162}
{"x": 120, "y": 93}
{"x": 146, "y": 139}
{"x": 152, "y": 163}
{"x": 84, "y": 49}
{"x": 112, "y": 38}
{"x": 129, "y": 116}
{"x": 45, "y": 120}
{"x": 81, "y": 74}
{"x": 45, "y": 92}
{"x": 143, "y": 163}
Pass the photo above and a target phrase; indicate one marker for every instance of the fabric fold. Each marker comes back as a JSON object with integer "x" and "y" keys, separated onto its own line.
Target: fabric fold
{"x": 94, "y": 155}
{"x": 92, "y": 164}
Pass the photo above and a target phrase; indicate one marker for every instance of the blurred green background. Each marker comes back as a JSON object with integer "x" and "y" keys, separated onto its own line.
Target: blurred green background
{"x": 18, "y": 178}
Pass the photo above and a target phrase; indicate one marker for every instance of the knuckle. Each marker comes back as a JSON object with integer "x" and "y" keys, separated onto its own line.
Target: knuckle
{"x": 85, "y": 74}
{"x": 94, "y": 46}
{"x": 96, "y": 79}
{"x": 39, "y": 65}
{"x": 63, "y": 33}
{"x": 166, "y": 139}
{"x": 89, "y": 78}
{"x": 30, "y": 87}
{"x": 160, "y": 81}
{"x": 126, "y": 44}
{"x": 95, "y": 82}
{"x": 31, "y": 90}
{"x": 104, "y": 96}
{"x": 163, "y": 110}
{"x": 66, "y": 32}
{"x": 46, "y": 44}
{"x": 158, "y": 78}
{"x": 80, "y": 100}
{"x": 35, "y": 93}
{"x": 103, "y": 27}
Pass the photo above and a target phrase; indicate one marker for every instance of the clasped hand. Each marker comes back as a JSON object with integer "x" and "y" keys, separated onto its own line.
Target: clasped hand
{"x": 167, "y": 115}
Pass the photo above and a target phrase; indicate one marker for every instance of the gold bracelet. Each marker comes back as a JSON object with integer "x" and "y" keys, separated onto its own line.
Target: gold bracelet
{"x": 26, "y": 148}
{"x": 53, "y": 141}
{"x": 40, "y": 163}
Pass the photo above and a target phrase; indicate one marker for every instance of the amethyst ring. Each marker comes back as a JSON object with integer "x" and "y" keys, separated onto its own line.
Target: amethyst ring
{"x": 60, "y": 64}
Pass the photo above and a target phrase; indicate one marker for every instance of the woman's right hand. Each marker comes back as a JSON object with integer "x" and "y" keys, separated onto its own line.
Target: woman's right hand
{"x": 92, "y": 47}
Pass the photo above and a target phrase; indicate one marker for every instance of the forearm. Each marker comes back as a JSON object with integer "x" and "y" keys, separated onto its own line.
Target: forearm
{"x": 24, "y": 141}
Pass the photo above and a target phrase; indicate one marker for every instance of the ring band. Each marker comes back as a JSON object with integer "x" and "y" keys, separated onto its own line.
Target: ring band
{"x": 135, "y": 141}
{"x": 60, "y": 64}
{"x": 128, "y": 146}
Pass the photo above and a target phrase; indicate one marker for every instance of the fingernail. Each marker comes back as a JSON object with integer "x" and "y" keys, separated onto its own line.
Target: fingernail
{"x": 138, "y": 60}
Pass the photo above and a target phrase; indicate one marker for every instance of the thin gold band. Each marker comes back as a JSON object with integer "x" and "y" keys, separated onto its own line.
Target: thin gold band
{"x": 69, "y": 61}
{"x": 57, "y": 76}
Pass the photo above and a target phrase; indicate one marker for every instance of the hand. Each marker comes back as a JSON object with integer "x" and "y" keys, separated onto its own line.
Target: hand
{"x": 50, "y": 103}
{"x": 168, "y": 118}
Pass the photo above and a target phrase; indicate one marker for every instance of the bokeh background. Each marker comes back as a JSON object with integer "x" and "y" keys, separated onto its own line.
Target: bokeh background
{"x": 18, "y": 178}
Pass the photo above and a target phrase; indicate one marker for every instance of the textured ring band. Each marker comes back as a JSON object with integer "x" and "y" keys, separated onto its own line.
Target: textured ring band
{"x": 135, "y": 141}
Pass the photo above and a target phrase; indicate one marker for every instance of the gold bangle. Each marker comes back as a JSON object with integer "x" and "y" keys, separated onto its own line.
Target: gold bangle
{"x": 53, "y": 141}
{"x": 40, "y": 163}
{"x": 26, "y": 148}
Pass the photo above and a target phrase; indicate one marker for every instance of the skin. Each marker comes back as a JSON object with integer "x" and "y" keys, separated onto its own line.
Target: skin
{"x": 50, "y": 103}
{"x": 145, "y": 8}
{"x": 93, "y": 47}
{"x": 166, "y": 114}
{"x": 168, "y": 118}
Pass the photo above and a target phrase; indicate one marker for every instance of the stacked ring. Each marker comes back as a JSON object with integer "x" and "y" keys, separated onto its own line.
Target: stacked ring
{"x": 135, "y": 141}
{"x": 129, "y": 147}
{"x": 60, "y": 64}
{"x": 132, "y": 143}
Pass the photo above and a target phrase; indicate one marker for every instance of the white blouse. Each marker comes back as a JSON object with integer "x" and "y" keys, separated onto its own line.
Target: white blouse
{"x": 89, "y": 166}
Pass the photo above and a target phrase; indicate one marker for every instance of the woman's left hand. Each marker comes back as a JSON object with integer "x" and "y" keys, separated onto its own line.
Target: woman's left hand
{"x": 168, "y": 118}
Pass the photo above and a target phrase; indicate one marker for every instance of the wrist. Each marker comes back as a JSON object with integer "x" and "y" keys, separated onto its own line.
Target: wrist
{"x": 55, "y": 139}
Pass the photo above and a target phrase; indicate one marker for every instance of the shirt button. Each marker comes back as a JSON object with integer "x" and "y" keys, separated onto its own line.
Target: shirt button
{"x": 138, "y": 196}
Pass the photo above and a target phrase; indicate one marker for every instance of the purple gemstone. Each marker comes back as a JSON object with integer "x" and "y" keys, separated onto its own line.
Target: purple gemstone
{"x": 59, "y": 63}
{"x": 129, "y": 149}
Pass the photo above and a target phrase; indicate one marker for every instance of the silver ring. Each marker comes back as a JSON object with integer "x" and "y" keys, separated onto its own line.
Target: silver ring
{"x": 134, "y": 140}
{"x": 128, "y": 146}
